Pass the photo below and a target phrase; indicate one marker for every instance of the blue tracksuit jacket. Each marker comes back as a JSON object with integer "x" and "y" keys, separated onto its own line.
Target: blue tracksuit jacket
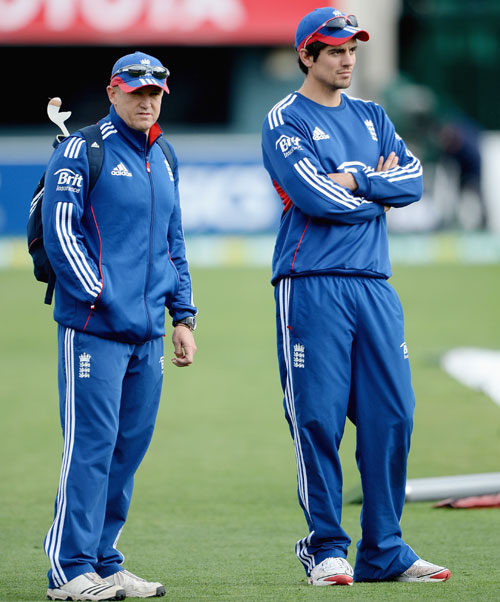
{"x": 302, "y": 142}
{"x": 119, "y": 254}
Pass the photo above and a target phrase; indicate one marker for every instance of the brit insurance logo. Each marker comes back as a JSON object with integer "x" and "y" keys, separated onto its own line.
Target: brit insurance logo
{"x": 68, "y": 180}
{"x": 288, "y": 144}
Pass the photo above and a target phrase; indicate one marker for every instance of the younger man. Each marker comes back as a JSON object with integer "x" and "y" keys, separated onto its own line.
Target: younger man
{"x": 339, "y": 166}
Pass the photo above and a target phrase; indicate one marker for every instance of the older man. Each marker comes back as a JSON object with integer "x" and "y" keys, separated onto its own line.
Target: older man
{"x": 119, "y": 257}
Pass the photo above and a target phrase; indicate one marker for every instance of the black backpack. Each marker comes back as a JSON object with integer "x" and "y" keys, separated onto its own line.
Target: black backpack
{"x": 41, "y": 265}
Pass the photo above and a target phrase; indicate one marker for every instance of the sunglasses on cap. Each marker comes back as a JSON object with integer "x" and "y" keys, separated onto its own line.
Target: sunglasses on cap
{"x": 143, "y": 70}
{"x": 339, "y": 22}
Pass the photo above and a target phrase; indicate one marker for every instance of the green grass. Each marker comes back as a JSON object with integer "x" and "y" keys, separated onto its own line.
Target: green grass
{"x": 214, "y": 513}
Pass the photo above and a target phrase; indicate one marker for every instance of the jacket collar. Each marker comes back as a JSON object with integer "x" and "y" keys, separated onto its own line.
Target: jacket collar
{"x": 136, "y": 139}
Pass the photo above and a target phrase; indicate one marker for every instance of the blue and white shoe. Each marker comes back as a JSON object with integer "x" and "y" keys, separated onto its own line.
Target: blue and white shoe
{"x": 331, "y": 571}
{"x": 134, "y": 586}
{"x": 89, "y": 587}
{"x": 422, "y": 571}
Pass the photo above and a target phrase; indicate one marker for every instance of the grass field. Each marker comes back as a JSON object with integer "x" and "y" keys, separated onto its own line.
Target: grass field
{"x": 214, "y": 513}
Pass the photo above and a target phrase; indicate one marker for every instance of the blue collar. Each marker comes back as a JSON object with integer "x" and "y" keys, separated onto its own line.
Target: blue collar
{"x": 135, "y": 138}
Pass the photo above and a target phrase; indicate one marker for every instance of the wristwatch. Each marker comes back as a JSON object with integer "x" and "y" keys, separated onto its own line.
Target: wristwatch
{"x": 190, "y": 322}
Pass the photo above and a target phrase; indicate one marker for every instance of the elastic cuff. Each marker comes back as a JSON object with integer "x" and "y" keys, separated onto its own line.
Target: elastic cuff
{"x": 364, "y": 184}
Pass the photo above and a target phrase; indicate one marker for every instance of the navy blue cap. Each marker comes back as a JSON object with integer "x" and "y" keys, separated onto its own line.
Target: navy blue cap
{"x": 128, "y": 82}
{"x": 313, "y": 28}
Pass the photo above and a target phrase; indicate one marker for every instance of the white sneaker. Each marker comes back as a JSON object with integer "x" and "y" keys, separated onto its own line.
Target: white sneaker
{"x": 331, "y": 571}
{"x": 423, "y": 571}
{"x": 134, "y": 586}
{"x": 88, "y": 586}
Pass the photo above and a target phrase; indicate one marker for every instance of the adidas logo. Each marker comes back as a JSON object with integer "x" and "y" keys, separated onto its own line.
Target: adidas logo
{"x": 121, "y": 170}
{"x": 94, "y": 145}
{"x": 320, "y": 134}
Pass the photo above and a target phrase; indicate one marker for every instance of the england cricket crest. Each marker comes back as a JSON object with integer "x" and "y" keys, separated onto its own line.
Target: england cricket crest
{"x": 84, "y": 366}
{"x": 299, "y": 356}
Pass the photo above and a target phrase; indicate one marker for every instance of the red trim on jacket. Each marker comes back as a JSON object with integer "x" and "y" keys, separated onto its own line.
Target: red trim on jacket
{"x": 154, "y": 133}
{"x": 300, "y": 242}
{"x": 287, "y": 201}
{"x": 92, "y": 307}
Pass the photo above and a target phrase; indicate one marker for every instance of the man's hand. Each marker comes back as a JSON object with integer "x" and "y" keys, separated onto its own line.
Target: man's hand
{"x": 386, "y": 164}
{"x": 344, "y": 179}
{"x": 184, "y": 346}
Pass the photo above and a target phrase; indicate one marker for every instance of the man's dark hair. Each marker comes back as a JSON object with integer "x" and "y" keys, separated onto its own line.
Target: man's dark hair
{"x": 313, "y": 50}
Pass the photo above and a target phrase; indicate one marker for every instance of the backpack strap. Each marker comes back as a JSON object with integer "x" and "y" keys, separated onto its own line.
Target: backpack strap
{"x": 95, "y": 151}
{"x": 49, "y": 291}
{"x": 166, "y": 151}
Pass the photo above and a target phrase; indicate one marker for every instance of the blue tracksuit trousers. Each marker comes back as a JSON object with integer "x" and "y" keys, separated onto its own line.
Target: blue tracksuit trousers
{"x": 109, "y": 397}
{"x": 342, "y": 353}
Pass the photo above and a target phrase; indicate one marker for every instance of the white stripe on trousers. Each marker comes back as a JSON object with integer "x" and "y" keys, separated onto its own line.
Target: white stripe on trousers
{"x": 284, "y": 299}
{"x": 54, "y": 536}
{"x": 302, "y": 553}
{"x": 284, "y": 304}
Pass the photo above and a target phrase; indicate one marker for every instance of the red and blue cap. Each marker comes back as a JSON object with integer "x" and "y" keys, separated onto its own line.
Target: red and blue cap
{"x": 330, "y": 26}
{"x": 137, "y": 70}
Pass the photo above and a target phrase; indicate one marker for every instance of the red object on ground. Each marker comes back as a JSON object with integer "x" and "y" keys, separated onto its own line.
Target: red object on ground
{"x": 479, "y": 501}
